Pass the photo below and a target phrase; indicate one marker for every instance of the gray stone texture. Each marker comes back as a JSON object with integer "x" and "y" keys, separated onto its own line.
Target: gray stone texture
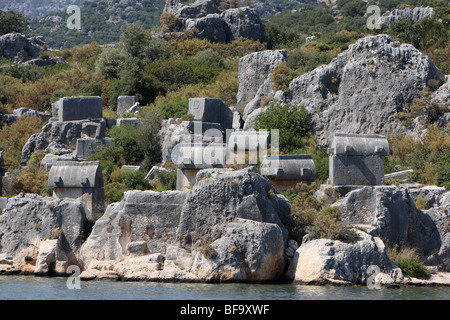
{"x": 61, "y": 136}
{"x": 289, "y": 167}
{"x": 325, "y": 261}
{"x": 28, "y": 222}
{"x": 226, "y": 229}
{"x": 78, "y": 108}
{"x": 88, "y": 146}
{"x": 211, "y": 110}
{"x": 363, "y": 88}
{"x": 254, "y": 75}
{"x": 389, "y": 212}
{"x": 357, "y": 159}
{"x": 73, "y": 174}
{"x": 124, "y": 103}
{"x": 17, "y": 47}
{"x": 207, "y": 21}
{"x": 415, "y": 15}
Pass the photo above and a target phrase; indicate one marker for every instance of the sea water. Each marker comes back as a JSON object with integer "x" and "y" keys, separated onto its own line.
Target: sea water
{"x": 55, "y": 288}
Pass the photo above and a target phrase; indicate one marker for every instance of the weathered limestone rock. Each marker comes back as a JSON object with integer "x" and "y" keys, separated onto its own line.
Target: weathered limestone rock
{"x": 363, "y": 88}
{"x": 254, "y": 72}
{"x": 78, "y": 108}
{"x": 243, "y": 22}
{"x": 207, "y": 21}
{"x": 415, "y": 15}
{"x": 211, "y": 110}
{"x": 61, "y": 136}
{"x": 142, "y": 216}
{"x": 327, "y": 261}
{"x": 40, "y": 234}
{"x": 124, "y": 103}
{"x": 82, "y": 181}
{"x": 16, "y": 46}
{"x": 389, "y": 212}
{"x": 286, "y": 171}
{"x": 226, "y": 229}
{"x": 357, "y": 159}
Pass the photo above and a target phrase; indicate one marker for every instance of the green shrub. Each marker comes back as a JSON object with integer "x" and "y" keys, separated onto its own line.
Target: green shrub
{"x": 292, "y": 121}
{"x": 443, "y": 170}
{"x": 413, "y": 268}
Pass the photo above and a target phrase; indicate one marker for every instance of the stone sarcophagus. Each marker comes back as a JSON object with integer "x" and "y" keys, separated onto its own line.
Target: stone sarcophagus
{"x": 191, "y": 158}
{"x": 285, "y": 171}
{"x": 82, "y": 181}
{"x": 211, "y": 110}
{"x": 77, "y": 108}
{"x": 357, "y": 159}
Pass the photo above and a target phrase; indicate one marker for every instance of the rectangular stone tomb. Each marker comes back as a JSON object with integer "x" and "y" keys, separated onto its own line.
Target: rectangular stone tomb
{"x": 86, "y": 146}
{"x": 249, "y": 140}
{"x": 211, "y": 110}
{"x": 357, "y": 159}
{"x": 77, "y": 108}
{"x": 82, "y": 181}
{"x": 124, "y": 103}
{"x": 285, "y": 171}
{"x": 199, "y": 155}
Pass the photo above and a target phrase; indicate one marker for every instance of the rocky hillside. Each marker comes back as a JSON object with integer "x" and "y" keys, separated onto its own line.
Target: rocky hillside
{"x": 37, "y": 9}
{"x": 361, "y": 91}
{"x": 100, "y": 21}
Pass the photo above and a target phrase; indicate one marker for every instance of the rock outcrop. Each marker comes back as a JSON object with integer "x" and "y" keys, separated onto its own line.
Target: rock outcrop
{"x": 325, "y": 261}
{"x": 255, "y": 83}
{"x": 60, "y": 137}
{"x": 416, "y": 15}
{"x": 227, "y": 228}
{"x": 40, "y": 235}
{"x": 389, "y": 212}
{"x": 362, "y": 90}
{"x": 207, "y": 21}
{"x": 8, "y": 119}
{"x": 17, "y": 47}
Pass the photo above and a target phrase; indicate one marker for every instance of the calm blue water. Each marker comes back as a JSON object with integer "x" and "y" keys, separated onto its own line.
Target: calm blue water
{"x": 42, "y": 288}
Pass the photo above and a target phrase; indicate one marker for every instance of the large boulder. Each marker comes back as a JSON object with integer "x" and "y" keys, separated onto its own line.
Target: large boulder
{"x": 362, "y": 90}
{"x": 244, "y": 22}
{"x": 227, "y": 228}
{"x": 41, "y": 235}
{"x": 207, "y": 21}
{"x": 323, "y": 261}
{"x": 17, "y": 47}
{"x": 389, "y": 212}
{"x": 61, "y": 136}
{"x": 254, "y": 78}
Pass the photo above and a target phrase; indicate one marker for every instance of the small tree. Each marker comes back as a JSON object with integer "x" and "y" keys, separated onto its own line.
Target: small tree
{"x": 11, "y": 21}
{"x": 292, "y": 121}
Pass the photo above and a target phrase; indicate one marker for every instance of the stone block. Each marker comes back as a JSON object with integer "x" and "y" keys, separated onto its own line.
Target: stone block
{"x": 87, "y": 146}
{"x": 211, "y": 110}
{"x": 78, "y": 108}
{"x": 249, "y": 140}
{"x": 93, "y": 129}
{"x": 357, "y": 159}
{"x": 300, "y": 168}
{"x": 124, "y": 103}
{"x": 200, "y": 155}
